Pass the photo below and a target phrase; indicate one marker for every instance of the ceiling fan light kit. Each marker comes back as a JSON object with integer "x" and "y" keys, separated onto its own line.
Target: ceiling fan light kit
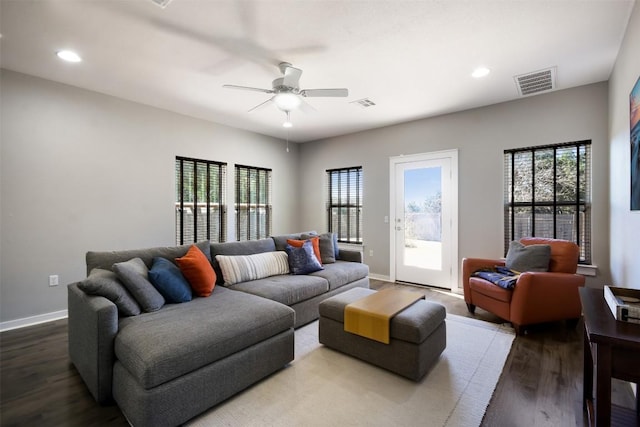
{"x": 287, "y": 93}
{"x": 287, "y": 123}
{"x": 287, "y": 101}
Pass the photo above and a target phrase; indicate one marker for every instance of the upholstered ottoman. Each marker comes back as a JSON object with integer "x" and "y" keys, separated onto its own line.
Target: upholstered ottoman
{"x": 417, "y": 335}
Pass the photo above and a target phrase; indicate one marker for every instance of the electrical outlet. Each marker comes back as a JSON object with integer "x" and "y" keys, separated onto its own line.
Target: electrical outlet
{"x": 370, "y": 252}
{"x": 53, "y": 280}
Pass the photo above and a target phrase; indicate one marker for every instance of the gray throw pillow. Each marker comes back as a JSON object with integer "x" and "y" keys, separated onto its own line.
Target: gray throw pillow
{"x": 327, "y": 250}
{"x": 134, "y": 274}
{"x": 105, "y": 283}
{"x": 528, "y": 258}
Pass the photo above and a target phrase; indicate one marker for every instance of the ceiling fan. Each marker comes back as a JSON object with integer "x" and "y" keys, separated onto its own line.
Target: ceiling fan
{"x": 287, "y": 94}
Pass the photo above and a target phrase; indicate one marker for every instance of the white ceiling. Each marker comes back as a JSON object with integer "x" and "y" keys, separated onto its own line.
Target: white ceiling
{"x": 412, "y": 58}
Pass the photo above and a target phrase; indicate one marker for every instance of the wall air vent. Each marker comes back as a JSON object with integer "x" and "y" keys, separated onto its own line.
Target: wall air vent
{"x": 536, "y": 82}
{"x": 363, "y": 103}
{"x": 162, "y": 3}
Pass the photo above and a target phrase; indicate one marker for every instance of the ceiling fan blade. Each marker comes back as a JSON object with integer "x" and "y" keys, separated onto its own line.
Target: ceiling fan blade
{"x": 292, "y": 77}
{"x": 255, "y": 89}
{"x": 262, "y": 104}
{"x": 325, "y": 92}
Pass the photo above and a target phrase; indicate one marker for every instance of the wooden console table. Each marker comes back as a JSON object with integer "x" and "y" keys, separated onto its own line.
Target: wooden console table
{"x": 614, "y": 348}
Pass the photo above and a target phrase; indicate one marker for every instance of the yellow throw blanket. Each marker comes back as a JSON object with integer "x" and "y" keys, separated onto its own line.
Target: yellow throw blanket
{"x": 370, "y": 316}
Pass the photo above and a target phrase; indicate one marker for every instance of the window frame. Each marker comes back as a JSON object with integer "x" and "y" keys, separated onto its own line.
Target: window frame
{"x": 261, "y": 230}
{"x": 220, "y": 169}
{"x": 353, "y": 201}
{"x": 581, "y": 202}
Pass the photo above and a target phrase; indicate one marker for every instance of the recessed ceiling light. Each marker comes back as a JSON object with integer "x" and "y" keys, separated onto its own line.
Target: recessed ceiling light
{"x": 480, "y": 72}
{"x": 68, "y": 56}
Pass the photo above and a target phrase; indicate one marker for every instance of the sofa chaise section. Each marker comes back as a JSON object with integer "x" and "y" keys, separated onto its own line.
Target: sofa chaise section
{"x": 179, "y": 361}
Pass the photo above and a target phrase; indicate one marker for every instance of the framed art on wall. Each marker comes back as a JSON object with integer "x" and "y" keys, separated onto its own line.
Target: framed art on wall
{"x": 634, "y": 119}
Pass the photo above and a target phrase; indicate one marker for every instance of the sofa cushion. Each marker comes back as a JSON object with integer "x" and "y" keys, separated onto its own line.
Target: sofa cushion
{"x": 287, "y": 289}
{"x": 281, "y": 241}
{"x": 302, "y": 260}
{"x": 167, "y": 278}
{"x": 180, "y": 338}
{"x": 528, "y": 258}
{"x": 342, "y": 272}
{"x": 197, "y": 269}
{"x": 135, "y": 277}
{"x": 105, "y": 283}
{"x": 242, "y": 268}
{"x": 106, "y": 259}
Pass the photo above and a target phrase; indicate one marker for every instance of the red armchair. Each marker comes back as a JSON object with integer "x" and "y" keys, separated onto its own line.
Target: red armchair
{"x": 537, "y": 296}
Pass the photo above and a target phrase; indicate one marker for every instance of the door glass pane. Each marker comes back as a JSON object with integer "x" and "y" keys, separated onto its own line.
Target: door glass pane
{"x": 423, "y": 218}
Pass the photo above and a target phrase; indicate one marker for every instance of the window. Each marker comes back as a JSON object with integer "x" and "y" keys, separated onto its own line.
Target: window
{"x": 548, "y": 194}
{"x": 253, "y": 203}
{"x": 200, "y": 201}
{"x": 344, "y": 207}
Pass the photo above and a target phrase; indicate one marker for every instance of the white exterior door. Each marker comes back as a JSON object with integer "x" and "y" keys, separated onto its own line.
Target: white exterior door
{"x": 424, "y": 219}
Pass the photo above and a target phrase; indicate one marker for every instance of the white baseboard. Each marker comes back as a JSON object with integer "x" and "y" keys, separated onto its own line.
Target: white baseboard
{"x": 380, "y": 277}
{"x": 33, "y": 320}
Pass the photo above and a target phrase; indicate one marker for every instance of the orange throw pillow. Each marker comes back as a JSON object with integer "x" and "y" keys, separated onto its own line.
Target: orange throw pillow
{"x": 196, "y": 268}
{"x": 315, "y": 241}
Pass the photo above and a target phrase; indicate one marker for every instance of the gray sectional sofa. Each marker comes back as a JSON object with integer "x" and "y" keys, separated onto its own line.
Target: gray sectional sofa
{"x": 164, "y": 367}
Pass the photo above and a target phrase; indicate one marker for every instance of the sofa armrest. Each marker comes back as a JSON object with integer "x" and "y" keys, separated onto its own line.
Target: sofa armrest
{"x": 350, "y": 255}
{"x": 544, "y": 296}
{"x": 93, "y": 325}
{"x": 471, "y": 265}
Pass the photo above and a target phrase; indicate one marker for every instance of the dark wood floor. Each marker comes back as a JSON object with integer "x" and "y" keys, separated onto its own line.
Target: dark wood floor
{"x": 541, "y": 384}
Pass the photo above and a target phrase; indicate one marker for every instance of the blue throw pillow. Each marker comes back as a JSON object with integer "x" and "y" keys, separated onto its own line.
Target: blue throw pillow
{"x": 302, "y": 260}
{"x": 167, "y": 278}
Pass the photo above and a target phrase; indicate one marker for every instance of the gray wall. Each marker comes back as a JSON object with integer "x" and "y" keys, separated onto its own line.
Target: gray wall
{"x": 625, "y": 224}
{"x": 480, "y": 135}
{"x": 84, "y": 171}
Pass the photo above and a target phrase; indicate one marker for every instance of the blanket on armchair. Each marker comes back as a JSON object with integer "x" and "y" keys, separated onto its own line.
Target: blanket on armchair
{"x": 498, "y": 275}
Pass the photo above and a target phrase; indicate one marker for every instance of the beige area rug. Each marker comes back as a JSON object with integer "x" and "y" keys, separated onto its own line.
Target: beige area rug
{"x": 323, "y": 387}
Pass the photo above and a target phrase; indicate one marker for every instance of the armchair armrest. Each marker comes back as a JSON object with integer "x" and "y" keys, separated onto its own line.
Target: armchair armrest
{"x": 470, "y": 265}
{"x": 93, "y": 325}
{"x": 544, "y": 297}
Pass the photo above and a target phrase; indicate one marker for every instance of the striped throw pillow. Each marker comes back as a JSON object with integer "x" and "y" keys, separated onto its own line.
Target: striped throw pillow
{"x": 242, "y": 268}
